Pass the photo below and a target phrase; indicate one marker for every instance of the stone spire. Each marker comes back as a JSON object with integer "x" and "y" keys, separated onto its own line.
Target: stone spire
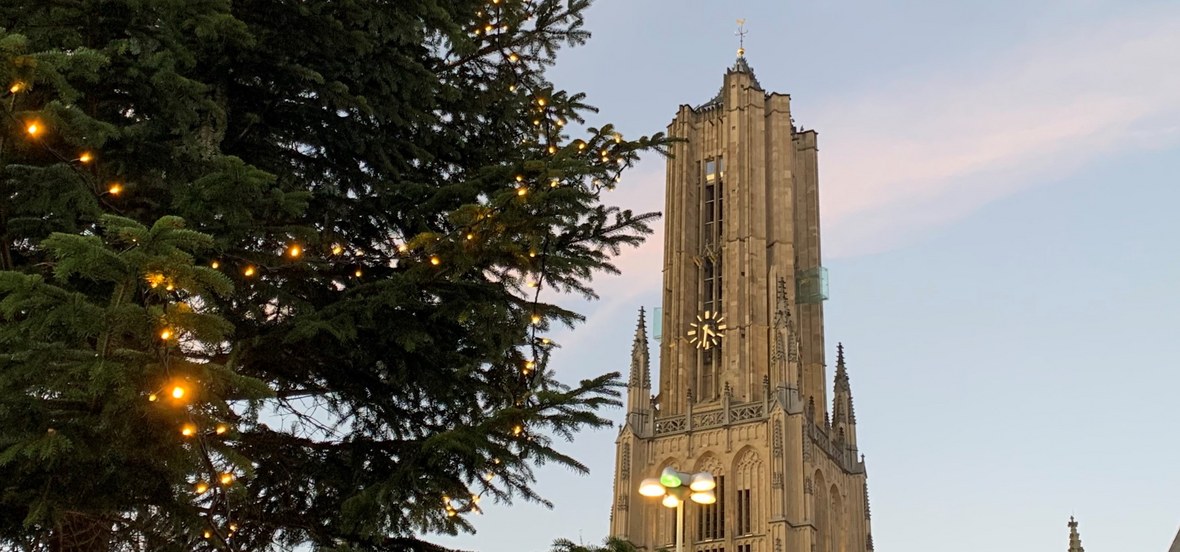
{"x": 843, "y": 415}
{"x": 639, "y": 383}
{"x": 1075, "y": 540}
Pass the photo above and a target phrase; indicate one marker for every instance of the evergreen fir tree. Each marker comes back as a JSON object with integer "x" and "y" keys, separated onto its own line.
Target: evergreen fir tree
{"x": 334, "y": 226}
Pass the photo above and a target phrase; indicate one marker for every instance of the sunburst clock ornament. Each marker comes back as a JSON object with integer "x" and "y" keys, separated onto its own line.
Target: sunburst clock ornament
{"x": 706, "y": 332}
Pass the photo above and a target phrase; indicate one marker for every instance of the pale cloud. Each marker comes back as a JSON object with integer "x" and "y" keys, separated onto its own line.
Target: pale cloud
{"x": 911, "y": 155}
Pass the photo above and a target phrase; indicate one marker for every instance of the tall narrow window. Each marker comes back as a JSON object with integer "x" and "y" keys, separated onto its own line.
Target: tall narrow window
{"x": 742, "y": 527}
{"x": 711, "y": 517}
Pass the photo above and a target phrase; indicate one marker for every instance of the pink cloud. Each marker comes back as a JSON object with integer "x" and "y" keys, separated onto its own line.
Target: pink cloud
{"x": 911, "y": 155}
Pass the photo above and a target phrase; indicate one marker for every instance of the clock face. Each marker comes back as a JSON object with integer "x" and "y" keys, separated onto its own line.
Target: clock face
{"x": 706, "y": 332}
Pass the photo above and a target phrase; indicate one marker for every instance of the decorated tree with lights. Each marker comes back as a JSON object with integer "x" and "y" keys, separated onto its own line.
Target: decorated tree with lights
{"x": 282, "y": 274}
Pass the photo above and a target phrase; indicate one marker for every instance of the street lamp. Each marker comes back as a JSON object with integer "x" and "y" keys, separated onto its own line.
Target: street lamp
{"x": 672, "y": 486}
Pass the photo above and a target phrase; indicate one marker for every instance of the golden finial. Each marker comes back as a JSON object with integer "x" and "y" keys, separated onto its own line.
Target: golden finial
{"x": 741, "y": 34}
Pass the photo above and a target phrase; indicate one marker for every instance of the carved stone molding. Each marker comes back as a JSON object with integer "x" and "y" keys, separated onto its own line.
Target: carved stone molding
{"x": 778, "y": 439}
{"x": 625, "y": 462}
{"x": 808, "y": 486}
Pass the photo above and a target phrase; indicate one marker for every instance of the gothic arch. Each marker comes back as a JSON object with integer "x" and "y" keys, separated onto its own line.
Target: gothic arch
{"x": 750, "y": 488}
{"x": 708, "y": 522}
{"x": 836, "y": 521}
{"x": 820, "y": 512}
{"x": 711, "y": 463}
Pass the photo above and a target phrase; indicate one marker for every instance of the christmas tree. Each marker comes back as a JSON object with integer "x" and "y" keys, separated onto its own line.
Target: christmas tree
{"x": 277, "y": 273}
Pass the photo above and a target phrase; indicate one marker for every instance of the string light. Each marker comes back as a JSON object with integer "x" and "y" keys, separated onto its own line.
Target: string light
{"x": 434, "y": 260}
{"x": 294, "y": 251}
{"x": 470, "y": 236}
{"x": 226, "y": 478}
{"x": 34, "y": 129}
{"x": 152, "y": 397}
{"x": 358, "y": 273}
{"x": 166, "y": 334}
{"x": 201, "y": 487}
{"x": 402, "y": 248}
{"x": 115, "y": 188}
{"x": 86, "y": 157}
{"x": 337, "y": 249}
{"x": 178, "y": 392}
{"x": 536, "y": 319}
{"x": 215, "y": 265}
{"x": 208, "y": 534}
{"x": 221, "y": 428}
{"x": 522, "y": 191}
{"x": 513, "y": 57}
{"x": 517, "y": 430}
{"x": 16, "y": 87}
{"x": 249, "y": 271}
{"x": 188, "y": 430}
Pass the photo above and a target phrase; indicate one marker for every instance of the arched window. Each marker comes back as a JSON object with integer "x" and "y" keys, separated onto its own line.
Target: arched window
{"x": 819, "y": 512}
{"x": 748, "y": 480}
{"x": 836, "y": 521}
{"x": 710, "y": 519}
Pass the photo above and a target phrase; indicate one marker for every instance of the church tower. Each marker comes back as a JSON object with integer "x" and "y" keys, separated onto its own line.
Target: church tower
{"x": 742, "y": 389}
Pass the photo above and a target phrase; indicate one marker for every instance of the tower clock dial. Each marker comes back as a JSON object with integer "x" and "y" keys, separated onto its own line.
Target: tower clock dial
{"x": 707, "y": 331}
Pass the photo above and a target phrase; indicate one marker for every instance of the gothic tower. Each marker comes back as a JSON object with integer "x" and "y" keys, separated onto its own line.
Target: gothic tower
{"x": 742, "y": 390}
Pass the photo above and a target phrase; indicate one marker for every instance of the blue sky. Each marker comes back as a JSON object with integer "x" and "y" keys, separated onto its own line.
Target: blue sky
{"x": 999, "y": 182}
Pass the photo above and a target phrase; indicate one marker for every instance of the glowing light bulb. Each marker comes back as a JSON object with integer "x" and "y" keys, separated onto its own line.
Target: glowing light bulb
{"x": 517, "y": 430}
{"x": 215, "y": 265}
{"x": 513, "y": 57}
{"x": 541, "y": 102}
{"x": 532, "y": 253}
{"x": 221, "y": 429}
{"x": 233, "y": 527}
{"x": 470, "y": 236}
{"x": 489, "y": 476}
{"x": 512, "y": 88}
{"x": 402, "y": 248}
{"x": 153, "y": 397}
{"x": 544, "y": 341}
{"x": 208, "y": 534}
{"x": 294, "y": 251}
{"x": 166, "y": 334}
{"x": 178, "y": 392}
{"x": 358, "y": 273}
{"x": 529, "y": 365}
{"x": 249, "y": 271}
{"x": 115, "y": 188}
{"x": 435, "y": 261}
{"x": 188, "y": 430}
{"x": 201, "y": 487}
{"x": 552, "y": 149}
{"x": 86, "y": 157}
{"x": 34, "y": 129}
{"x": 522, "y": 191}
{"x": 226, "y": 478}
{"x": 337, "y": 249}
{"x": 536, "y": 319}
{"x": 16, "y": 87}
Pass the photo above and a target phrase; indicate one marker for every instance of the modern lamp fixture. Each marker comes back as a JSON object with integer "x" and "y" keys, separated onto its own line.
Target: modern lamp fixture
{"x": 674, "y": 486}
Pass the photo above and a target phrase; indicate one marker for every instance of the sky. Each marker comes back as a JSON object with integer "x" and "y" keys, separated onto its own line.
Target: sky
{"x": 998, "y": 182}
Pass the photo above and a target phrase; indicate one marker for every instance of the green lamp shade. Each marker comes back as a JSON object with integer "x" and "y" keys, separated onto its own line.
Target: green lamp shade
{"x": 670, "y": 478}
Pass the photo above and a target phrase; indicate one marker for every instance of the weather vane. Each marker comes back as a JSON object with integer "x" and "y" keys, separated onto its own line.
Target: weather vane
{"x": 741, "y": 34}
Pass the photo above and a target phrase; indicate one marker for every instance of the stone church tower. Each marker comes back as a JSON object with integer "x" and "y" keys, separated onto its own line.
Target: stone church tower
{"x": 743, "y": 389}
